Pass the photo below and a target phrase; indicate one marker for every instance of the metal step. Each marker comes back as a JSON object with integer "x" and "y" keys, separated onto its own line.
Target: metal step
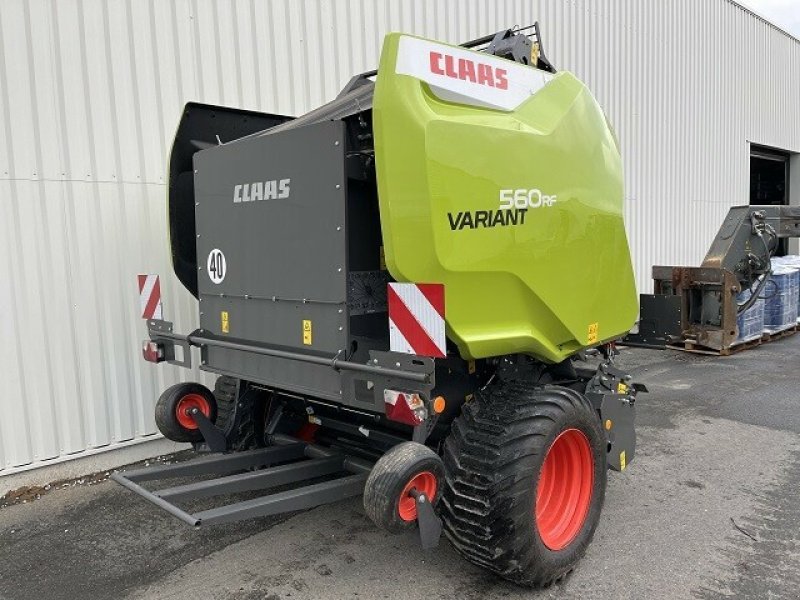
{"x": 300, "y": 498}
{"x": 220, "y": 463}
{"x": 303, "y": 462}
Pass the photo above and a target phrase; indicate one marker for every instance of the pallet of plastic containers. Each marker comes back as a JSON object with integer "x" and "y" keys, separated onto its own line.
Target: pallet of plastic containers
{"x": 780, "y": 301}
{"x": 792, "y": 261}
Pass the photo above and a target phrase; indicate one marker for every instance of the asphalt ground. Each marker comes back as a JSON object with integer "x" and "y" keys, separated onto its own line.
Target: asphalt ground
{"x": 710, "y": 508}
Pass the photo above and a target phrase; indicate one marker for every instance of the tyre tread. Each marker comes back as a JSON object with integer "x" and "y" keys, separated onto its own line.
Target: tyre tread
{"x": 488, "y": 456}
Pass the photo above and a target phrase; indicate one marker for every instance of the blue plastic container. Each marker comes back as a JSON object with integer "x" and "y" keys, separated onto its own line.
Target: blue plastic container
{"x": 793, "y": 262}
{"x": 781, "y": 298}
{"x": 750, "y": 323}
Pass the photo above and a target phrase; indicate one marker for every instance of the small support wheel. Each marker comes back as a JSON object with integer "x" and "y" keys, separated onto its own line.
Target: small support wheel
{"x": 173, "y": 411}
{"x": 404, "y": 472}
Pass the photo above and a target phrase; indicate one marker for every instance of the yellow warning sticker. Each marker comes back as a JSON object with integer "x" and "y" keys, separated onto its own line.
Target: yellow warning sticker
{"x": 622, "y": 388}
{"x": 471, "y": 367}
{"x": 307, "y": 332}
{"x": 592, "y": 336}
{"x": 622, "y": 460}
{"x": 224, "y": 322}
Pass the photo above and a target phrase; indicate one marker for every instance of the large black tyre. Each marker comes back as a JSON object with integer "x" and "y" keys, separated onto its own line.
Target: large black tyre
{"x": 172, "y": 408}
{"x": 226, "y": 391}
{"x": 493, "y": 463}
{"x": 242, "y": 424}
{"x": 386, "y": 498}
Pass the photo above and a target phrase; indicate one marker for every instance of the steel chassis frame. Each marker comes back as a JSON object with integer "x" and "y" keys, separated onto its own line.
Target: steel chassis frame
{"x": 289, "y": 461}
{"x": 385, "y": 370}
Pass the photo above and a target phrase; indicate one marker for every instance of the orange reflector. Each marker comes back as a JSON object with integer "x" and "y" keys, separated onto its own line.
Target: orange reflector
{"x": 439, "y": 404}
{"x": 608, "y": 424}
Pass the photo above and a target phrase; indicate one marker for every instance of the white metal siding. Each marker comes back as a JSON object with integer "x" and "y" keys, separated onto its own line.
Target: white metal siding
{"x": 91, "y": 91}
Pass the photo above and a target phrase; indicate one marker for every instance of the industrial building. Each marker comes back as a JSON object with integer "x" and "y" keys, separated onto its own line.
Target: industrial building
{"x": 703, "y": 96}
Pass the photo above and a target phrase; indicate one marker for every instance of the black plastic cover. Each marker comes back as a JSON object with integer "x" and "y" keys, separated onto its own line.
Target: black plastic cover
{"x": 201, "y": 126}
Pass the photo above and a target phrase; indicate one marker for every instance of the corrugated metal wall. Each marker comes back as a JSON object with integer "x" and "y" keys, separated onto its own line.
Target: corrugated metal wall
{"x": 91, "y": 90}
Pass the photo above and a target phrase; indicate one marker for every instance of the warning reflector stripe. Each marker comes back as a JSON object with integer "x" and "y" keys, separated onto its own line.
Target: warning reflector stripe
{"x": 397, "y": 341}
{"x": 150, "y": 296}
{"x": 420, "y": 305}
{"x": 416, "y": 319}
{"x": 435, "y": 295}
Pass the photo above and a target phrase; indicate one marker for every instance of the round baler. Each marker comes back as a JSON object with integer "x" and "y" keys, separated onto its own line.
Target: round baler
{"x": 411, "y": 292}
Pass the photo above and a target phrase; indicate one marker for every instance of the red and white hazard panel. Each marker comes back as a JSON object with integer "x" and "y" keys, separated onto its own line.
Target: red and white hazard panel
{"x": 416, "y": 319}
{"x": 150, "y": 296}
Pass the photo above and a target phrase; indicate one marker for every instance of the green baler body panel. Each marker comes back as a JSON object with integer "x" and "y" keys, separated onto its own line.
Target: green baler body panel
{"x": 545, "y": 281}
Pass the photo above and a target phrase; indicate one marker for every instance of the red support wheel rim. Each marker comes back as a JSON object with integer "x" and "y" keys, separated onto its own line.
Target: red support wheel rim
{"x": 425, "y": 483}
{"x": 186, "y": 404}
{"x": 564, "y": 491}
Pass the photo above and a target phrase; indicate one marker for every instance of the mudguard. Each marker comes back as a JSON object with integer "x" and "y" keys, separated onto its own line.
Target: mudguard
{"x": 504, "y": 183}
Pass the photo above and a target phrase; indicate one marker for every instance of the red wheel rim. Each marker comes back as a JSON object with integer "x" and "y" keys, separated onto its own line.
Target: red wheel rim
{"x": 564, "y": 491}
{"x": 425, "y": 483}
{"x": 186, "y": 404}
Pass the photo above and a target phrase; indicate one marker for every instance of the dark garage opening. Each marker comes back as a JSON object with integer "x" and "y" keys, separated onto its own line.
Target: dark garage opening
{"x": 769, "y": 181}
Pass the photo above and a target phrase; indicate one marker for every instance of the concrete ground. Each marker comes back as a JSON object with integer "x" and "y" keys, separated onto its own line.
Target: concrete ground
{"x": 709, "y": 509}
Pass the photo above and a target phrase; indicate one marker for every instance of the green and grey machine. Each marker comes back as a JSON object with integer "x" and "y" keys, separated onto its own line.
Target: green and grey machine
{"x": 398, "y": 292}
